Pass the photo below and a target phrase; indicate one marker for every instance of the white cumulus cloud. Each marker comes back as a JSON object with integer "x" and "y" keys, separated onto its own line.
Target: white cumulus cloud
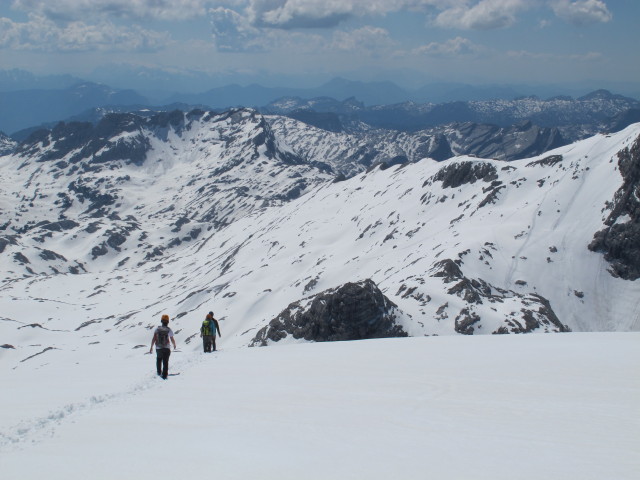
{"x": 289, "y": 14}
{"x": 298, "y": 14}
{"x": 69, "y": 10}
{"x": 42, "y": 34}
{"x": 582, "y": 12}
{"x": 233, "y": 32}
{"x": 483, "y": 15}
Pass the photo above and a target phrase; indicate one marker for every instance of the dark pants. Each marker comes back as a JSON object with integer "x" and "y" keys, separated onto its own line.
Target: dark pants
{"x": 213, "y": 342}
{"x": 162, "y": 359}
{"x": 206, "y": 342}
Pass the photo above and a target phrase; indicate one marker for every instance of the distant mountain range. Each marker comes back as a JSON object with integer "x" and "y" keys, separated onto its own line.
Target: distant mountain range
{"x": 28, "y": 101}
{"x": 501, "y": 129}
{"x": 576, "y": 118}
{"x": 366, "y": 94}
{"x": 370, "y": 93}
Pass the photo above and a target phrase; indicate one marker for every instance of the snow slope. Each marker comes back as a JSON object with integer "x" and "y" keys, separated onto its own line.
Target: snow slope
{"x": 466, "y": 246}
{"x": 490, "y": 407}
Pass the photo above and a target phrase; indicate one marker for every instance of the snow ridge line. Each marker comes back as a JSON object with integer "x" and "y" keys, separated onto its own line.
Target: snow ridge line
{"x": 38, "y": 429}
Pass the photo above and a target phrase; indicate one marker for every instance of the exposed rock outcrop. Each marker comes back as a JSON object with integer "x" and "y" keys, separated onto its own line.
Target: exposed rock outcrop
{"x": 101, "y": 143}
{"x": 460, "y": 173}
{"x": 7, "y": 145}
{"x": 354, "y": 311}
{"x": 533, "y": 312}
{"x": 620, "y": 240}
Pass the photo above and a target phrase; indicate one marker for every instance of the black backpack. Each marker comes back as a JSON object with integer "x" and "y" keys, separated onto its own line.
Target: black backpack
{"x": 163, "y": 336}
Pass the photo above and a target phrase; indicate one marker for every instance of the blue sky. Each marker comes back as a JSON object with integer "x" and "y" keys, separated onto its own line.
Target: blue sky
{"x": 311, "y": 41}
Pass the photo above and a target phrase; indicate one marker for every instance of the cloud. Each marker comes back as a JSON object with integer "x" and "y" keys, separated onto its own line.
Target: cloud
{"x": 304, "y": 14}
{"x": 584, "y": 57}
{"x": 233, "y": 32}
{"x": 582, "y": 12}
{"x": 452, "y": 47}
{"x": 71, "y": 10}
{"x": 456, "y": 14}
{"x": 493, "y": 14}
{"x": 285, "y": 14}
{"x": 42, "y": 34}
{"x": 484, "y": 15}
{"x": 288, "y": 14}
{"x": 368, "y": 39}
{"x": 292, "y": 14}
{"x": 544, "y": 23}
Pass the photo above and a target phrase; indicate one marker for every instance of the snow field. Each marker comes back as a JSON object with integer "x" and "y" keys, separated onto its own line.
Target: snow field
{"x": 488, "y": 407}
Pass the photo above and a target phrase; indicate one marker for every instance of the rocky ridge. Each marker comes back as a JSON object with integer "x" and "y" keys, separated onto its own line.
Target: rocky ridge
{"x": 93, "y": 183}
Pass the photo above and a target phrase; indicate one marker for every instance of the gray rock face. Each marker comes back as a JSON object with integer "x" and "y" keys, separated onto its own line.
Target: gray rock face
{"x": 360, "y": 147}
{"x": 546, "y": 161}
{"x": 7, "y": 145}
{"x": 60, "y": 226}
{"x": 456, "y": 174}
{"x": 522, "y": 140}
{"x": 354, "y": 311}
{"x": 7, "y": 240}
{"x": 535, "y": 312}
{"x": 99, "y": 142}
{"x": 620, "y": 241}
